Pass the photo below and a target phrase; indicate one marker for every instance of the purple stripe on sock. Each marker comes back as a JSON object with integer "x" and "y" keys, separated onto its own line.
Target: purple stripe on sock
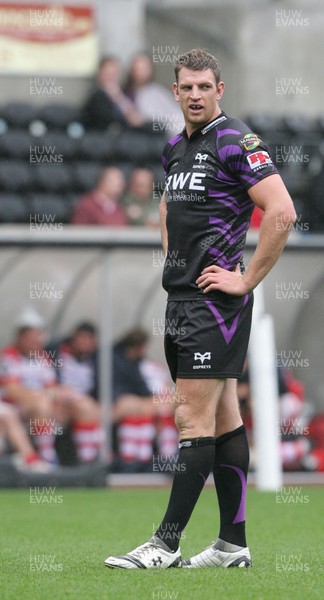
{"x": 240, "y": 515}
{"x": 227, "y": 333}
{"x": 203, "y": 476}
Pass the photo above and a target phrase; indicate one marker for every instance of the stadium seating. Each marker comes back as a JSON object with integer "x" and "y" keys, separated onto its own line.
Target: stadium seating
{"x": 58, "y": 116}
{"x": 15, "y": 176}
{"x": 13, "y": 208}
{"x": 18, "y": 114}
{"x": 49, "y": 158}
{"x": 16, "y": 144}
{"x": 56, "y": 207}
{"x": 95, "y": 146}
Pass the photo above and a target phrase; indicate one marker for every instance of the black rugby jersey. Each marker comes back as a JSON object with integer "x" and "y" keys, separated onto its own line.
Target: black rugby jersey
{"x": 208, "y": 207}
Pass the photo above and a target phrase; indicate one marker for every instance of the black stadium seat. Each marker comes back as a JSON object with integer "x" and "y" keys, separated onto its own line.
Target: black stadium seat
{"x": 57, "y": 142}
{"x": 16, "y": 144}
{"x": 97, "y": 146}
{"x": 135, "y": 147}
{"x": 58, "y": 116}
{"x": 86, "y": 175}
{"x": 56, "y": 207}
{"x": 299, "y": 123}
{"x": 263, "y": 123}
{"x": 14, "y": 208}
{"x": 19, "y": 114}
{"x": 15, "y": 176}
{"x": 53, "y": 177}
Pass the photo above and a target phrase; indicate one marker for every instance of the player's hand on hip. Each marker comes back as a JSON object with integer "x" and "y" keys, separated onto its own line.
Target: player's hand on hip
{"x": 216, "y": 278}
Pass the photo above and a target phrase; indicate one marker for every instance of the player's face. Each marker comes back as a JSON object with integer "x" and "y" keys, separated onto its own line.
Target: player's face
{"x": 198, "y": 95}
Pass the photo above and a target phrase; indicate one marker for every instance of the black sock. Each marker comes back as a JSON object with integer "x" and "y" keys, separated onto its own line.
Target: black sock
{"x": 230, "y": 472}
{"x": 195, "y": 461}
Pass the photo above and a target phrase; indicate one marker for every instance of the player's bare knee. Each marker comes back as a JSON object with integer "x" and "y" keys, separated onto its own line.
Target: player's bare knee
{"x": 190, "y": 423}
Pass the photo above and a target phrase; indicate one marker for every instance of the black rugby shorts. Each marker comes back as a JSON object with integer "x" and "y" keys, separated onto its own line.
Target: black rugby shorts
{"x": 208, "y": 338}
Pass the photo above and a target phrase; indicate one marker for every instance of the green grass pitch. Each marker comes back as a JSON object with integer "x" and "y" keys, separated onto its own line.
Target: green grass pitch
{"x": 55, "y": 550}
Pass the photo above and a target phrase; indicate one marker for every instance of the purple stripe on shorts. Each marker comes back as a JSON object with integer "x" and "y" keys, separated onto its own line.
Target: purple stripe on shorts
{"x": 227, "y": 333}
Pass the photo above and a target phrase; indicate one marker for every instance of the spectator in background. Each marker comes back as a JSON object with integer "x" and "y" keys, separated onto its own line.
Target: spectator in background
{"x": 142, "y": 415}
{"x": 77, "y": 359}
{"x": 76, "y": 367}
{"x": 29, "y": 381}
{"x": 102, "y": 206}
{"x": 153, "y": 101}
{"x": 138, "y": 200}
{"x": 12, "y": 431}
{"x": 108, "y": 104}
{"x": 296, "y": 446}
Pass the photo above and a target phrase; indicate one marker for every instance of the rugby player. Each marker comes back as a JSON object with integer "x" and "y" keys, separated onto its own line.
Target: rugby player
{"x": 217, "y": 170}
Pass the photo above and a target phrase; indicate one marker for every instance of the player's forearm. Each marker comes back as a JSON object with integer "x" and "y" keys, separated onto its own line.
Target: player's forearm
{"x": 274, "y": 231}
{"x": 164, "y": 233}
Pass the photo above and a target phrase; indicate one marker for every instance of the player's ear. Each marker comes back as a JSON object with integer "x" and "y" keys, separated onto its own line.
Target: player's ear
{"x": 175, "y": 91}
{"x": 220, "y": 90}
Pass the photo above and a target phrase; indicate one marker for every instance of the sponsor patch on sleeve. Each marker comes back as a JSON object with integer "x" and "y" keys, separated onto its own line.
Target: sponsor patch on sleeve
{"x": 250, "y": 141}
{"x": 259, "y": 160}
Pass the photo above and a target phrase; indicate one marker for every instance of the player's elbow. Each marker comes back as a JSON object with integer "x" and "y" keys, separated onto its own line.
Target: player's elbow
{"x": 286, "y": 214}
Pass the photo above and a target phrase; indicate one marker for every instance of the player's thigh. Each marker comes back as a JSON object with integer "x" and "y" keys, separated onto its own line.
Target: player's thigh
{"x": 196, "y": 404}
{"x": 228, "y": 415}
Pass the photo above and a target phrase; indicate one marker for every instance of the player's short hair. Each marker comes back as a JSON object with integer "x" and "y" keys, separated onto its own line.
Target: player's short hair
{"x": 198, "y": 60}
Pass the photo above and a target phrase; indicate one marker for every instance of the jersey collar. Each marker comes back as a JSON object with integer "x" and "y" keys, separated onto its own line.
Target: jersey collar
{"x": 207, "y": 126}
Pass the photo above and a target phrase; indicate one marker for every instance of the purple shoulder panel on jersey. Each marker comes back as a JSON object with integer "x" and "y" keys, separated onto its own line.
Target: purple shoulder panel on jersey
{"x": 229, "y": 131}
{"x": 229, "y": 150}
{"x": 175, "y": 139}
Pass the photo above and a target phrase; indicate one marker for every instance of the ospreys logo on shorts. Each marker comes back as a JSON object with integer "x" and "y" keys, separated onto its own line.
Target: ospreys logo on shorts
{"x": 202, "y": 358}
